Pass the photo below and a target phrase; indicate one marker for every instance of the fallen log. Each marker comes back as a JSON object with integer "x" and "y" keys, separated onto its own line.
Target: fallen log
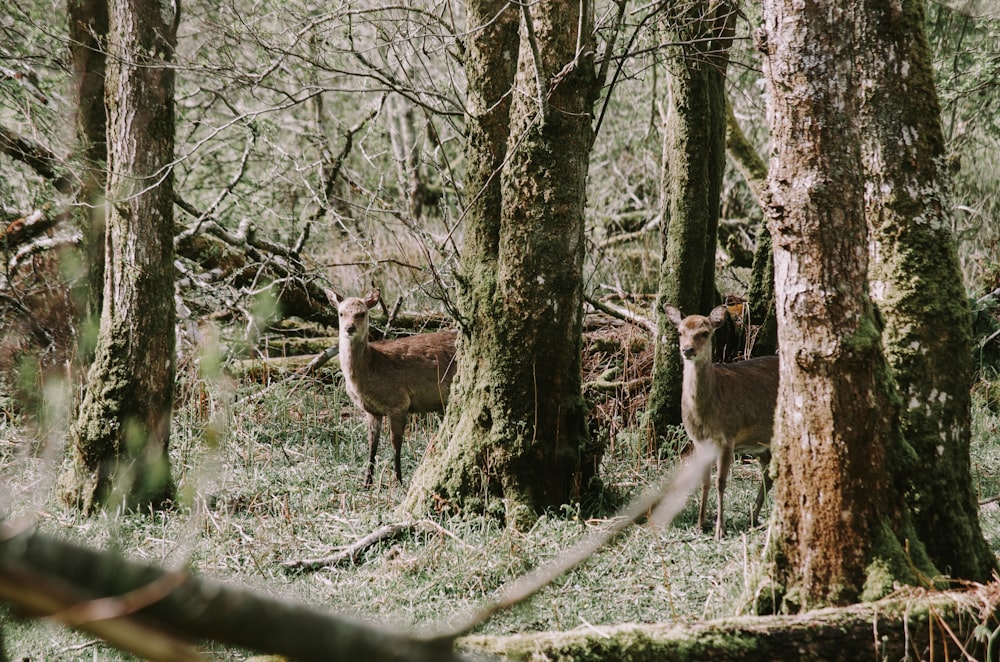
{"x": 914, "y": 625}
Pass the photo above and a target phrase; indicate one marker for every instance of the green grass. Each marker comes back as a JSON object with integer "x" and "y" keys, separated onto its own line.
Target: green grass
{"x": 266, "y": 481}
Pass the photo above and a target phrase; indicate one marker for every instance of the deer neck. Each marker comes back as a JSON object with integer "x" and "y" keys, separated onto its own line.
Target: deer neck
{"x": 698, "y": 385}
{"x": 353, "y": 354}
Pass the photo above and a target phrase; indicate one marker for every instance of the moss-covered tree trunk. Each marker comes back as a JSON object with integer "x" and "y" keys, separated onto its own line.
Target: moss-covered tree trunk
{"x": 839, "y": 520}
{"x": 123, "y": 428}
{"x": 917, "y": 283}
{"x": 694, "y": 159}
{"x": 760, "y": 292}
{"x": 516, "y": 426}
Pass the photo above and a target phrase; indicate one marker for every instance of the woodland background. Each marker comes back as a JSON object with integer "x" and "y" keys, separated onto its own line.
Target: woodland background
{"x": 325, "y": 148}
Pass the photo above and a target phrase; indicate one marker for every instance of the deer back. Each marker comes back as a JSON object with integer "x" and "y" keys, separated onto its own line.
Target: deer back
{"x": 407, "y": 374}
{"x": 742, "y": 402}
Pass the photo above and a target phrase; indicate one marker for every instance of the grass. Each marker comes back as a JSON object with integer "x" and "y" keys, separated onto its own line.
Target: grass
{"x": 266, "y": 481}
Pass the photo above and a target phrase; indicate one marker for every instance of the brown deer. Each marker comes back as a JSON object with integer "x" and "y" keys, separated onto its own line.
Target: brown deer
{"x": 728, "y": 406}
{"x": 392, "y": 378}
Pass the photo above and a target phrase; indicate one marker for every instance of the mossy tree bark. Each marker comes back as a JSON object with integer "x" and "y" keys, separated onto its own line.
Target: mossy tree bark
{"x": 840, "y": 523}
{"x": 121, "y": 435}
{"x": 516, "y": 426}
{"x": 760, "y": 293}
{"x": 916, "y": 281}
{"x": 694, "y": 158}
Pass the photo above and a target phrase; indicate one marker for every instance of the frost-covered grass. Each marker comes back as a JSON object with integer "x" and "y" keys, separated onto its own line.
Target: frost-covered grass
{"x": 266, "y": 481}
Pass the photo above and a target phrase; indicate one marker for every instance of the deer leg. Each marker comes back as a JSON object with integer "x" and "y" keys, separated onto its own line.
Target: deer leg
{"x": 765, "y": 485}
{"x": 722, "y": 475}
{"x": 397, "y": 425}
{"x": 705, "y": 481}
{"x": 374, "y": 432}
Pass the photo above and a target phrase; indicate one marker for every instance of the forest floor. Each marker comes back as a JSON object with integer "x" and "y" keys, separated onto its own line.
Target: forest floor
{"x": 267, "y": 480}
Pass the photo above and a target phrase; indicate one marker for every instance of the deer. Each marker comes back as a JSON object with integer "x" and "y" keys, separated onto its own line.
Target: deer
{"x": 392, "y": 378}
{"x": 728, "y": 407}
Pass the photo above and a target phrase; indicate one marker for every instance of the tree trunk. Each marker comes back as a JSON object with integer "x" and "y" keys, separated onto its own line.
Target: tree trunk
{"x": 88, "y": 31}
{"x": 760, "y": 292}
{"x": 516, "y": 426}
{"x": 839, "y": 521}
{"x": 694, "y": 160}
{"x": 120, "y": 438}
{"x": 917, "y": 283}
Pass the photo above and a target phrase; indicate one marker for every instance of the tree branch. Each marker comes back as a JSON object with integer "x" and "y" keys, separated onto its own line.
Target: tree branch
{"x": 51, "y": 575}
{"x": 39, "y": 158}
{"x": 529, "y": 28}
{"x": 623, "y": 314}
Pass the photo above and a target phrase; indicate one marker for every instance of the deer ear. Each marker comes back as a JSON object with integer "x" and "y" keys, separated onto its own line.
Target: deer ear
{"x": 332, "y": 296}
{"x": 718, "y": 316}
{"x": 373, "y": 297}
{"x": 673, "y": 314}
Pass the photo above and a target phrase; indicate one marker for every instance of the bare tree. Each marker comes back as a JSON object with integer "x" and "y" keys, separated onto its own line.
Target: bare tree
{"x": 121, "y": 436}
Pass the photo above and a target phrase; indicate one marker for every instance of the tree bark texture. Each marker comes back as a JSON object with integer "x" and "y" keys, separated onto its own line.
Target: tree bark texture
{"x": 694, "y": 160}
{"x": 121, "y": 435}
{"x": 88, "y": 31}
{"x": 516, "y": 422}
{"x": 839, "y": 521}
{"x": 916, "y": 281}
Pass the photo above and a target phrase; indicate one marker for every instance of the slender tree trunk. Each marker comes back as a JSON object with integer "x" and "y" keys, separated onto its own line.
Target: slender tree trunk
{"x": 917, "y": 283}
{"x": 839, "y": 519}
{"x": 760, "y": 292}
{"x": 516, "y": 425}
{"x": 120, "y": 438}
{"x": 694, "y": 159}
{"x": 88, "y": 31}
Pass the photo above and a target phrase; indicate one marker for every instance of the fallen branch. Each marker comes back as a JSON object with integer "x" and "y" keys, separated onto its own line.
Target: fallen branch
{"x": 37, "y": 157}
{"x": 625, "y": 237}
{"x": 310, "y": 368}
{"x": 350, "y": 553}
{"x": 623, "y": 314}
{"x": 629, "y": 387}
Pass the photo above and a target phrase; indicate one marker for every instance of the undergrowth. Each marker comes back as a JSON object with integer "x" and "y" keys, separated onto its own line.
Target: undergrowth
{"x": 267, "y": 480}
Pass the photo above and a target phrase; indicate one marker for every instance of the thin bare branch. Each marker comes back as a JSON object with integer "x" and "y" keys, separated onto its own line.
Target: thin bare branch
{"x": 664, "y": 500}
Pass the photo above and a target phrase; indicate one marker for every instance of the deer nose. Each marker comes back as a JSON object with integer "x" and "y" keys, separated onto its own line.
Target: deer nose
{"x": 349, "y": 329}
{"x": 688, "y": 352}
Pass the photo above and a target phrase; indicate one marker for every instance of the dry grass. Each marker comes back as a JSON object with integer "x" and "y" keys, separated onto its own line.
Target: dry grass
{"x": 269, "y": 480}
